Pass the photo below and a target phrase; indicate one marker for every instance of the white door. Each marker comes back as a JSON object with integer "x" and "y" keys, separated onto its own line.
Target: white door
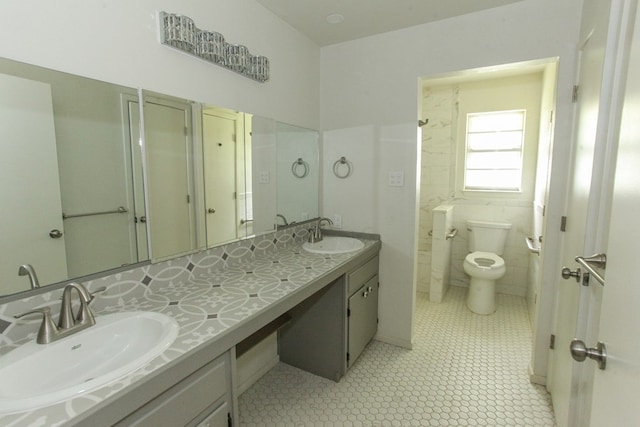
{"x": 616, "y": 390}
{"x": 31, "y": 206}
{"x": 140, "y": 219}
{"x": 219, "y": 145}
{"x": 575, "y": 305}
{"x": 171, "y": 223}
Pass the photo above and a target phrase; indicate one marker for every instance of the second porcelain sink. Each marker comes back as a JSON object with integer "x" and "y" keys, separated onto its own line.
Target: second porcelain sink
{"x": 36, "y": 375}
{"x": 334, "y": 245}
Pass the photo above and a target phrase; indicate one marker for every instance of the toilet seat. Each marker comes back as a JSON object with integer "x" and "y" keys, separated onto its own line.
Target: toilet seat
{"x": 485, "y": 260}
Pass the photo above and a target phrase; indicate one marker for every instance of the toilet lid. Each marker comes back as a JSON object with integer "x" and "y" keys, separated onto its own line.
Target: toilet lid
{"x": 485, "y": 260}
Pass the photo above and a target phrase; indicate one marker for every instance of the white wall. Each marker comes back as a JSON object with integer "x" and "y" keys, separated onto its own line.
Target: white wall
{"x": 369, "y": 107}
{"x": 117, "y": 41}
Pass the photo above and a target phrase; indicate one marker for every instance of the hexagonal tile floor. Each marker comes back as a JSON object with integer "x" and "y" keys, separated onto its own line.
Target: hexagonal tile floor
{"x": 464, "y": 370}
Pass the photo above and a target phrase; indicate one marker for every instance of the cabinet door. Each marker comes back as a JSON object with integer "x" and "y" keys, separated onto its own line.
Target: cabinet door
{"x": 363, "y": 318}
{"x": 218, "y": 418}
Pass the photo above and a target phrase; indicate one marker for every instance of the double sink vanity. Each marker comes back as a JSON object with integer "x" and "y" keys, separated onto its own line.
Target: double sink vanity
{"x": 164, "y": 346}
{"x": 177, "y": 292}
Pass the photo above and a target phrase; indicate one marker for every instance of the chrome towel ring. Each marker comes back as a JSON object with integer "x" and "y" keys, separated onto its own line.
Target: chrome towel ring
{"x": 336, "y": 168}
{"x": 300, "y": 172}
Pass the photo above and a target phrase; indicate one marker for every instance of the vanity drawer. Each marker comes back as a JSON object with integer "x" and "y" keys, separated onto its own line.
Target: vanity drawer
{"x": 359, "y": 276}
{"x": 182, "y": 403}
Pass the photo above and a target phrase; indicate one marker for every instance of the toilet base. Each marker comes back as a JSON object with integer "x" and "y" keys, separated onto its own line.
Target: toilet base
{"x": 481, "y": 298}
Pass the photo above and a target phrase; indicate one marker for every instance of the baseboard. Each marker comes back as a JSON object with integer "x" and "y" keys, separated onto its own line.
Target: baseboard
{"x": 256, "y": 375}
{"x": 537, "y": 379}
{"x": 394, "y": 341}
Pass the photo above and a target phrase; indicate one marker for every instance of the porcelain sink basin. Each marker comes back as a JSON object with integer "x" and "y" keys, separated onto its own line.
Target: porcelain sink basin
{"x": 37, "y": 375}
{"x": 334, "y": 245}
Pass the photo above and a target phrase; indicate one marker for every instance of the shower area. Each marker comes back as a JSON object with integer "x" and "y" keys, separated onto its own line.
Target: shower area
{"x": 440, "y": 106}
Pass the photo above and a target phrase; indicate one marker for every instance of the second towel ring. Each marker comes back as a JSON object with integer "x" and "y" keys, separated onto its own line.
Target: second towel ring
{"x": 305, "y": 168}
{"x": 336, "y": 168}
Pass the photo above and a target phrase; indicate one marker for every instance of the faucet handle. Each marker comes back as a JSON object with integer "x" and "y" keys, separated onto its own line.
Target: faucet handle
{"x": 48, "y": 329}
{"x": 93, "y": 294}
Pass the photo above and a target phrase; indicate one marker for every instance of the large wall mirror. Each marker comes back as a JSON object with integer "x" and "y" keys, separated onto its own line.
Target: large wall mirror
{"x": 77, "y": 171}
{"x": 69, "y": 162}
{"x": 216, "y": 175}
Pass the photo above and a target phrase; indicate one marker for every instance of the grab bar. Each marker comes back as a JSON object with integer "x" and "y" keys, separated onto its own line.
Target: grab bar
{"x": 120, "y": 209}
{"x": 244, "y": 221}
{"x": 531, "y": 245}
{"x": 451, "y": 234}
{"x": 590, "y": 263}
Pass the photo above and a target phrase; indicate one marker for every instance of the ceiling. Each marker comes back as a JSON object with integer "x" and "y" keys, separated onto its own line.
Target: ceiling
{"x": 364, "y": 18}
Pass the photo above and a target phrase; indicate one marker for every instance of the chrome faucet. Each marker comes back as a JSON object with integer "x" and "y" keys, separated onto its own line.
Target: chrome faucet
{"x": 84, "y": 317}
{"x": 315, "y": 234}
{"x": 67, "y": 323}
{"x": 283, "y": 219}
{"x": 28, "y": 270}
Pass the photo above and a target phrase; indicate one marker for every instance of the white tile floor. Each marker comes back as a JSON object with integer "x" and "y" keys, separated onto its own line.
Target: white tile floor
{"x": 464, "y": 370}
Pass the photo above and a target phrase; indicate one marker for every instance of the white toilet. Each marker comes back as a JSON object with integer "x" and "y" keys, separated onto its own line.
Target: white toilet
{"x": 484, "y": 264}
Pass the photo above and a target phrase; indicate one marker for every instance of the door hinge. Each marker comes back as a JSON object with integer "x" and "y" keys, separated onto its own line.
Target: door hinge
{"x": 552, "y": 342}
{"x": 186, "y": 131}
{"x": 563, "y": 223}
{"x": 348, "y": 312}
{"x": 188, "y": 198}
{"x": 229, "y": 420}
{"x": 574, "y": 94}
{"x": 551, "y": 116}
{"x": 348, "y": 357}
{"x": 544, "y": 210}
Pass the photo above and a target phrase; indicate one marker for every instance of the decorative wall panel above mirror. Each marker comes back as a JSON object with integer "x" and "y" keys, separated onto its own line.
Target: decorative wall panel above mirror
{"x": 75, "y": 167}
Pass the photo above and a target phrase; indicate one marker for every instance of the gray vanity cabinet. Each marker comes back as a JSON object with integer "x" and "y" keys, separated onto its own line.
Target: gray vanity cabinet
{"x": 203, "y": 399}
{"x": 362, "y": 308}
{"x": 328, "y": 331}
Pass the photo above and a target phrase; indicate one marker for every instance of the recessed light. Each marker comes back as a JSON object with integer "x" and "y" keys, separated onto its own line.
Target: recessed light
{"x": 335, "y": 18}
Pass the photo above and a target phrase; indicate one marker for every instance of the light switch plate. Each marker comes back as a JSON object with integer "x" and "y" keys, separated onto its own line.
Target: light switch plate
{"x": 396, "y": 179}
{"x": 337, "y": 221}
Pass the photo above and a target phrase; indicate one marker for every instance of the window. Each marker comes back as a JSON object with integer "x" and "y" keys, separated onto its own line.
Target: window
{"x": 494, "y": 152}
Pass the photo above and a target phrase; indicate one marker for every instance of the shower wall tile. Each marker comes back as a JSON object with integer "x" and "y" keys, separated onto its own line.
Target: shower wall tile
{"x": 424, "y": 269}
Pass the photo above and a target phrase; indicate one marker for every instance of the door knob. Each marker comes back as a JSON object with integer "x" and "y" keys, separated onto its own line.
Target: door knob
{"x": 211, "y": 210}
{"x": 55, "y": 234}
{"x": 567, "y": 273}
{"x": 580, "y": 352}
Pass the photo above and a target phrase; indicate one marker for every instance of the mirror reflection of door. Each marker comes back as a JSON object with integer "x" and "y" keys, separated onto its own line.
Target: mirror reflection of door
{"x": 220, "y": 135}
{"x": 168, "y": 151}
{"x": 139, "y": 235}
{"x": 28, "y": 159}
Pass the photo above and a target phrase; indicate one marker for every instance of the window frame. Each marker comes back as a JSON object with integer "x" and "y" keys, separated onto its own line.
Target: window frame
{"x": 521, "y": 151}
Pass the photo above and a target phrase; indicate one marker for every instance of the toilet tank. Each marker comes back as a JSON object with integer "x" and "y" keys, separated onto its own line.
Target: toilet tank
{"x": 487, "y": 236}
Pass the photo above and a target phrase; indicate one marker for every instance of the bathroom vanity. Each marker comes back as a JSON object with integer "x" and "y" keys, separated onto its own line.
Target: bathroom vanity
{"x": 325, "y": 307}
